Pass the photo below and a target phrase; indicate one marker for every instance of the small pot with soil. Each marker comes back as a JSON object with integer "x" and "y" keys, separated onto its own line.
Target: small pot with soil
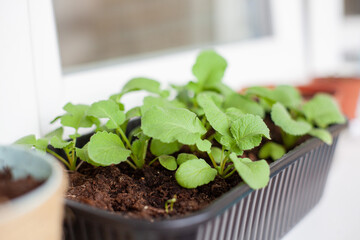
{"x": 31, "y": 195}
{"x": 207, "y": 163}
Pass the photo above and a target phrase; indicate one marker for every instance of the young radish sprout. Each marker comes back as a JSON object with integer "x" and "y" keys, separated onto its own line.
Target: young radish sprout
{"x": 207, "y": 118}
{"x": 170, "y": 204}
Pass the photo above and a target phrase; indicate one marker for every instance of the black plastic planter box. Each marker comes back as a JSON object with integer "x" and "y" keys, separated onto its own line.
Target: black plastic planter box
{"x": 296, "y": 184}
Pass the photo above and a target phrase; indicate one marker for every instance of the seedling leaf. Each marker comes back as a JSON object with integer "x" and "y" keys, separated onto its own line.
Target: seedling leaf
{"x": 159, "y": 148}
{"x": 107, "y": 148}
{"x": 31, "y": 141}
{"x": 194, "y": 173}
{"x": 76, "y": 116}
{"x": 255, "y": 174}
{"x": 27, "y": 141}
{"x": 139, "y": 148}
{"x": 168, "y": 162}
{"x": 172, "y": 124}
{"x": 57, "y": 132}
{"x": 209, "y": 68}
{"x": 110, "y": 110}
{"x": 244, "y": 104}
{"x": 134, "y": 112}
{"x": 322, "y": 134}
{"x": 147, "y": 84}
{"x": 217, "y": 153}
{"x": 248, "y": 131}
{"x": 323, "y": 110}
{"x": 273, "y": 150}
{"x": 203, "y": 145}
{"x": 183, "y": 157}
{"x": 83, "y": 154}
{"x": 217, "y": 119}
{"x": 282, "y": 118}
{"x": 233, "y": 114}
{"x": 150, "y": 101}
{"x": 57, "y": 142}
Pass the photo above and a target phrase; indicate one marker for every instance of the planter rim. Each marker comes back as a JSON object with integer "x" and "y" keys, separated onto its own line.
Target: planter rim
{"x": 217, "y": 207}
{"x": 35, "y": 198}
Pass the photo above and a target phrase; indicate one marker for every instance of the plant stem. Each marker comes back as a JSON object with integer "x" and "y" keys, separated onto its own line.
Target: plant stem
{"x": 152, "y": 161}
{"x": 131, "y": 165}
{"x": 223, "y": 162}
{"x": 212, "y": 160}
{"x": 79, "y": 165}
{"x": 60, "y": 158}
{"x": 126, "y": 140}
{"x": 120, "y": 131}
{"x": 231, "y": 173}
{"x": 228, "y": 169}
{"x": 73, "y": 155}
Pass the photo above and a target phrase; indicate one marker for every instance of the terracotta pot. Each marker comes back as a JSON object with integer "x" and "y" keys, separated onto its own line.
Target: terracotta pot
{"x": 36, "y": 215}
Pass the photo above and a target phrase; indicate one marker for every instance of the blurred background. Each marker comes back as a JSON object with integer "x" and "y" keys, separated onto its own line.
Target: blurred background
{"x": 58, "y": 51}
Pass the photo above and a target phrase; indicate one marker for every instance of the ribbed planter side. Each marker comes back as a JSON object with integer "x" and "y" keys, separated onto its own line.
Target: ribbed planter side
{"x": 271, "y": 212}
{"x": 297, "y": 182}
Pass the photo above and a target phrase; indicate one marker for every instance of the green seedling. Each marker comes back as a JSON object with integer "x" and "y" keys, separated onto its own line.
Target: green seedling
{"x": 215, "y": 123}
{"x": 170, "y": 204}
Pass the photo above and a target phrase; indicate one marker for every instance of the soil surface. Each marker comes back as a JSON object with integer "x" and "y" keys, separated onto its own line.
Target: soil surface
{"x": 10, "y": 188}
{"x": 143, "y": 193}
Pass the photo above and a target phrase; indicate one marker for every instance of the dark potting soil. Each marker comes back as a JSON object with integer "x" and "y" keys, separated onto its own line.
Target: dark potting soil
{"x": 10, "y": 188}
{"x": 143, "y": 193}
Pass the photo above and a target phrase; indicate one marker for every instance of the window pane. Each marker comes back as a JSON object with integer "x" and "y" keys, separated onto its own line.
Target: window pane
{"x": 97, "y": 30}
{"x": 352, "y": 7}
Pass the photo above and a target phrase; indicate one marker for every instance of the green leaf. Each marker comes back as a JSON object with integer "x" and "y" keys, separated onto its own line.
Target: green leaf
{"x": 117, "y": 98}
{"x": 42, "y": 144}
{"x": 83, "y": 154}
{"x": 273, "y": 150}
{"x": 146, "y": 84}
{"x": 217, "y": 119}
{"x": 288, "y": 96}
{"x": 322, "y": 134}
{"x": 217, "y": 154}
{"x": 194, "y": 173}
{"x": 209, "y": 68}
{"x": 203, "y": 145}
{"x": 27, "y": 141}
{"x": 110, "y": 110}
{"x": 150, "y": 101}
{"x": 132, "y": 113}
{"x": 233, "y": 114}
{"x": 183, "y": 157}
{"x": 31, "y": 141}
{"x": 107, "y": 148}
{"x": 76, "y": 116}
{"x": 57, "y": 132}
{"x": 172, "y": 124}
{"x": 244, "y": 104}
{"x": 57, "y": 142}
{"x": 282, "y": 118}
{"x": 223, "y": 89}
{"x": 139, "y": 148}
{"x": 229, "y": 143}
{"x": 323, "y": 110}
{"x": 255, "y": 174}
{"x": 289, "y": 140}
{"x": 159, "y": 148}
{"x": 168, "y": 162}
{"x": 248, "y": 131}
